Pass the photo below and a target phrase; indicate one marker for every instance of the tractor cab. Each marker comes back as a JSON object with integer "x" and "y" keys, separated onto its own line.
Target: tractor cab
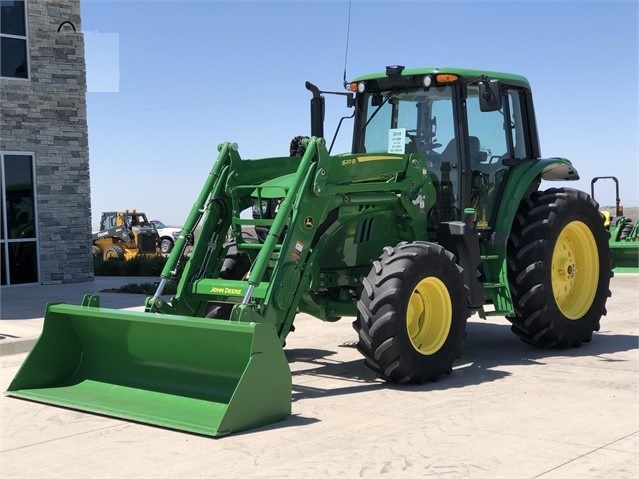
{"x": 467, "y": 129}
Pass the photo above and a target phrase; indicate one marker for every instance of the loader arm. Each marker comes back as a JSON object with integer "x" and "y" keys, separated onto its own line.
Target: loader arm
{"x": 319, "y": 244}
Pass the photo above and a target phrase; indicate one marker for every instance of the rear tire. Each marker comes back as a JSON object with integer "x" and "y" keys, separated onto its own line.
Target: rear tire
{"x": 626, "y": 230}
{"x": 558, "y": 268}
{"x": 412, "y": 313}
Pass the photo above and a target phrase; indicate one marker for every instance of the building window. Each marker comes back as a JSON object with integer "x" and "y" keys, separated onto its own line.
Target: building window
{"x": 13, "y": 39}
{"x": 18, "y": 238}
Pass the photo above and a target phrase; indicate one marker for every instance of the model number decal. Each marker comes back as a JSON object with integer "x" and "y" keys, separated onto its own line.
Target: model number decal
{"x": 364, "y": 159}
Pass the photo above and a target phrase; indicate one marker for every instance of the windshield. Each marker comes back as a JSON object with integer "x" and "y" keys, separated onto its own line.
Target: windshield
{"x": 419, "y": 120}
{"x": 415, "y": 121}
{"x": 405, "y": 121}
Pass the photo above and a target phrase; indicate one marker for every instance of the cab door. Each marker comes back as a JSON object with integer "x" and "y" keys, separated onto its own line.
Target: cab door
{"x": 495, "y": 140}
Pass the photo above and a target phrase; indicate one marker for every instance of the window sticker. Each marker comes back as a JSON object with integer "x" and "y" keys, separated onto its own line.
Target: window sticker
{"x": 397, "y": 140}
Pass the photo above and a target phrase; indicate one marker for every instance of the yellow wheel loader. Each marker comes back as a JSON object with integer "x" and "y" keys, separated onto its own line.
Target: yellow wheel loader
{"x": 125, "y": 235}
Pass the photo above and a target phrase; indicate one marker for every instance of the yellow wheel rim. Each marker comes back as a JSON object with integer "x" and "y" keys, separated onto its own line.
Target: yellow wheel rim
{"x": 575, "y": 270}
{"x": 429, "y": 315}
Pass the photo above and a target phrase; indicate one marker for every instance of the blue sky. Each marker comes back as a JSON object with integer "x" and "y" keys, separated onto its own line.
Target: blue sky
{"x": 170, "y": 80}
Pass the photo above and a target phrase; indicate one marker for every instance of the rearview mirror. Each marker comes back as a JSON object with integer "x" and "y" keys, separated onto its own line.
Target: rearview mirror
{"x": 489, "y": 95}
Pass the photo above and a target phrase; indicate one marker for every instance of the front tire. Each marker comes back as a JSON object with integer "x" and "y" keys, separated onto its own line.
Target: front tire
{"x": 412, "y": 313}
{"x": 113, "y": 252}
{"x": 558, "y": 268}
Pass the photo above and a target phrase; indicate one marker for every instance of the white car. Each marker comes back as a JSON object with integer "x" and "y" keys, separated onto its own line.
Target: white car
{"x": 168, "y": 236}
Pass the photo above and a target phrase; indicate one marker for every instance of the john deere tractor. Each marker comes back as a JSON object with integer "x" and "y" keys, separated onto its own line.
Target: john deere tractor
{"x": 435, "y": 214}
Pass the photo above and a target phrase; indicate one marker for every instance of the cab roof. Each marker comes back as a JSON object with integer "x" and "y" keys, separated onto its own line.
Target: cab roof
{"x": 464, "y": 73}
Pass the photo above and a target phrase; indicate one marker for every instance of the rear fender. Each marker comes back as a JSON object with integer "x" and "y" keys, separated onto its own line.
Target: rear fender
{"x": 524, "y": 178}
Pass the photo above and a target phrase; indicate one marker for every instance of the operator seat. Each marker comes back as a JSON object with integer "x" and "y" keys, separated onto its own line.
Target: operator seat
{"x": 474, "y": 146}
{"x": 476, "y": 155}
{"x": 449, "y": 154}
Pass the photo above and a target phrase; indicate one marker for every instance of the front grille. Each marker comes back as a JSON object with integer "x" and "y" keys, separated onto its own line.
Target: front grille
{"x": 146, "y": 242}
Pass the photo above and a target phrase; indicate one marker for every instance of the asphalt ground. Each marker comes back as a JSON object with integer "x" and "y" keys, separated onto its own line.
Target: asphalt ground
{"x": 507, "y": 411}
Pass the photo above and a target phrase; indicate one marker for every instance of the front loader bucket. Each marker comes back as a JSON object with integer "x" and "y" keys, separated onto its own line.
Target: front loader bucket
{"x": 205, "y": 376}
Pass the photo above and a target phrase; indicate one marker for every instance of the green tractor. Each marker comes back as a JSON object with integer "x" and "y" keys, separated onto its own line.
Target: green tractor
{"x": 624, "y": 234}
{"x": 435, "y": 214}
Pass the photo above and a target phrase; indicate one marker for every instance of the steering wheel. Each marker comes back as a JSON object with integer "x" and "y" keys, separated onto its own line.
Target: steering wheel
{"x": 412, "y": 136}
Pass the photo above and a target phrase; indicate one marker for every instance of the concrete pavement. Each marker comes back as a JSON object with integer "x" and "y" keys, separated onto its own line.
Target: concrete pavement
{"x": 22, "y": 307}
{"x": 507, "y": 411}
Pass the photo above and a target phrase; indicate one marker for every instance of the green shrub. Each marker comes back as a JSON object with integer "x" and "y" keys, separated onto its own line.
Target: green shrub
{"x": 139, "y": 266}
{"x": 142, "y": 288}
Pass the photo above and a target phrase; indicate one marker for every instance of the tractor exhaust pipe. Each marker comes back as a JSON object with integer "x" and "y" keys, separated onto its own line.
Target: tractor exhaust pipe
{"x": 317, "y": 111}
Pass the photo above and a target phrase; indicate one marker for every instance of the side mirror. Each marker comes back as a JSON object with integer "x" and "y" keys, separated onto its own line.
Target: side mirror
{"x": 489, "y": 95}
{"x": 377, "y": 99}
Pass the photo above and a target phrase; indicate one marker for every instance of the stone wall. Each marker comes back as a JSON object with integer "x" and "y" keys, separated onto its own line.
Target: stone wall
{"x": 46, "y": 115}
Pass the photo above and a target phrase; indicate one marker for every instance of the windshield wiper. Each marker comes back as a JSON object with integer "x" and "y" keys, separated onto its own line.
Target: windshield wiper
{"x": 386, "y": 98}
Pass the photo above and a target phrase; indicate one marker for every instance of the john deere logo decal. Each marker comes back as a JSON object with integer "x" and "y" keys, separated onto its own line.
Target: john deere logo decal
{"x": 308, "y": 222}
{"x": 230, "y": 291}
